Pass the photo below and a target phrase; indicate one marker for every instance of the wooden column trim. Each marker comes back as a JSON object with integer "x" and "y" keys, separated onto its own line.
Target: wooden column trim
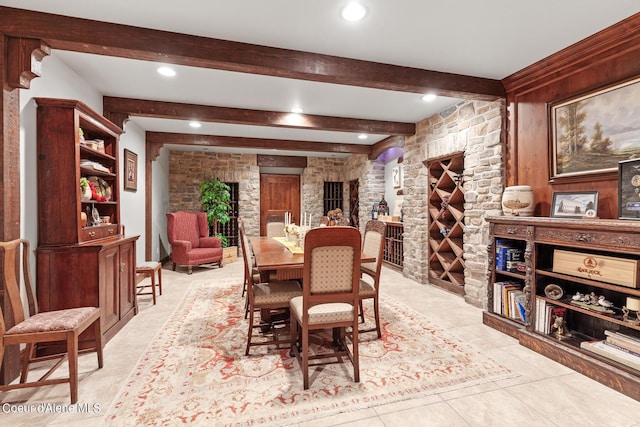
{"x": 148, "y": 206}
{"x": 24, "y": 60}
{"x": 153, "y": 148}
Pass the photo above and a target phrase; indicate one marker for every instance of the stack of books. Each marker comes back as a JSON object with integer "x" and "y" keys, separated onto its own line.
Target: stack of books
{"x": 509, "y": 300}
{"x": 617, "y": 346}
{"x": 509, "y": 256}
{"x": 546, "y": 314}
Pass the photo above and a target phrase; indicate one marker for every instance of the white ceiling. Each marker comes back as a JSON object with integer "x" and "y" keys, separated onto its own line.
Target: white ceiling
{"x": 489, "y": 38}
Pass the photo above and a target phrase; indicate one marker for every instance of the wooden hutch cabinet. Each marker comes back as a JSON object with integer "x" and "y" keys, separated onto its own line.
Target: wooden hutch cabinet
{"x": 559, "y": 263}
{"x": 81, "y": 261}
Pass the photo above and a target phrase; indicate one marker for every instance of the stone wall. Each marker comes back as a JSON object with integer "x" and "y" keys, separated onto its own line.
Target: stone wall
{"x": 188, "y": 169}
{"x": 476, "y": 128}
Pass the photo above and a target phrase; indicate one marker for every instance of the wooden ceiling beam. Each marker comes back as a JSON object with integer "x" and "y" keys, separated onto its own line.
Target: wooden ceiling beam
{"x": 156, "y": 138}
{"x": 207, "y": 113}
{"x": 82, "y": 35}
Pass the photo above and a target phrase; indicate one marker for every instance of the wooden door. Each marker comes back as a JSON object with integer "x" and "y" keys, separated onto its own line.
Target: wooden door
{"x": 279, "y": 194}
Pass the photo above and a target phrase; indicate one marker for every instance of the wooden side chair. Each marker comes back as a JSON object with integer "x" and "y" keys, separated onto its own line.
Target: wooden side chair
{"x": 150, "y": 269}
{"x": 60, "y": 325}
{"x": 330, "y": 296}
{"x": 264, "y": 297}
{"x": 274, "y": 225}
{"x": 247, "y": 251}
{"x": 373, "y": 244}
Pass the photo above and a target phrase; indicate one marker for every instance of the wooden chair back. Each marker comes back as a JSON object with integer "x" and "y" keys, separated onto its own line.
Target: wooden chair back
{"x": 331, "y": 266}
{"x": 373, "y": 244}
{"x": 12, "y": 263}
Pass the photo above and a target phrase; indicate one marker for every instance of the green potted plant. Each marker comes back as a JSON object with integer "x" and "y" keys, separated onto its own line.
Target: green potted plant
{"x": 215, "y": 198}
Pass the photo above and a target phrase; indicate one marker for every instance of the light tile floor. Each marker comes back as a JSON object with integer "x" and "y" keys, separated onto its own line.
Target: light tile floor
{"x": 545, "y": 394}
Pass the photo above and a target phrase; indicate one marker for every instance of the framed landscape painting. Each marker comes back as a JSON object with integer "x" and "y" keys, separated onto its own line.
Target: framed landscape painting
{"x": 592, "y": 133}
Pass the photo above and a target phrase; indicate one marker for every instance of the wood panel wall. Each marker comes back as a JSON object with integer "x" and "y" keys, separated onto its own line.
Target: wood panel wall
{"x": 604, "y": 59}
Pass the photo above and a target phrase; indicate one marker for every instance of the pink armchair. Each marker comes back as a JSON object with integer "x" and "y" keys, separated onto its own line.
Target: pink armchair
{"x": 188, "y": 234}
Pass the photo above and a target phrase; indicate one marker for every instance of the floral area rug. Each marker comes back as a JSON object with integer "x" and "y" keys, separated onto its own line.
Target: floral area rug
{"x": 195, "y": 372}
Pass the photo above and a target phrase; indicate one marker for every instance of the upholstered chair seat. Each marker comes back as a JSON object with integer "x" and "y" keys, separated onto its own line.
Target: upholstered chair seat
{"x": 50, "y": 321}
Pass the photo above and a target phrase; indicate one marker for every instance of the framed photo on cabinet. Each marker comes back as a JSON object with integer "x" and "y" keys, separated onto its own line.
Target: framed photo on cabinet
{"x": 629, "y": 189}
{"x": 130, "y": 171}
{"x": 574, "y": 204}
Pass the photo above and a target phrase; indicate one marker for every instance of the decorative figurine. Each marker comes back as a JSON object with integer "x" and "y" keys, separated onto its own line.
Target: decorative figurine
{"x": 627, "y": 318}
{"x": 560, "y": 328}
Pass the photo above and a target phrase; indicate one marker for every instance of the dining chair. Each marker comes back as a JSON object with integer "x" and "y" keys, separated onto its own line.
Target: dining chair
{"x": 373, "y": 244}
{"x": 274, "y": 226}
{"x": 329, "y": 297}
{"x": 265, "y": 298}
{"x": 247, "y": 251}
{"x": 52, "y": 326}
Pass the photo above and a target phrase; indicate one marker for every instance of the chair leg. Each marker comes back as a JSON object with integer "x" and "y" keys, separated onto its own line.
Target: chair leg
{"x": 160, "y": 279}
{"x": 98, "y": 332}
{"x": 174, "y": 266}
{"x": 72, "y": 358}
{"x": 27, "y": 355}
{"x": 355, "y": 356}
{"x": 361, "y": 311}
{"x": 305, "y": 358}
{"x": 250, "y": 334}
{"x": 153, "y": 286}
{"x": 376, "y": 309}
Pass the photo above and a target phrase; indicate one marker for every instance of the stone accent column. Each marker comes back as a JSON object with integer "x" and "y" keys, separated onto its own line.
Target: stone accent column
{"x": 476, "y": 128}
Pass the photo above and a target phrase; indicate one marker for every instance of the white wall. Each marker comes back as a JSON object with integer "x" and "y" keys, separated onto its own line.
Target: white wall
{"x": 390, "y": 193}
{"x": 132, "y": 204}
{"x": 59, "y": 81}
{"x": 160, "y": 205}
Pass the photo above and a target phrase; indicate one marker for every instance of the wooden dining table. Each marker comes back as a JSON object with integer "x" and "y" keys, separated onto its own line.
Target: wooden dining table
{"x": 273, "y": 256}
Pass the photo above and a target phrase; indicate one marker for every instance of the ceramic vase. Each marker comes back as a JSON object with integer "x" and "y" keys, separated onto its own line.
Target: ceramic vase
{"x": 518, "y": 201}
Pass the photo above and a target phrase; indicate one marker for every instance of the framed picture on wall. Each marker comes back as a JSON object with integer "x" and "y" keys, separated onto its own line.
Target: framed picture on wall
{"x": 629, "y": 189}
{"x": 397, "y": 177}
{"x": 130, "y": 171}
{"x": 574, "y": 204}
{"x": 592, "y": 133}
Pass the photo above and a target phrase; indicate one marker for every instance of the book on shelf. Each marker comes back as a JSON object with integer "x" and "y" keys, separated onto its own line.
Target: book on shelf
{"x": 628, "y": 342}
{"x": 546, "y": 314}
{"x": 504, "y": 301}
{"x": 521, "y": 303}
{"x": 509, "y": 255}
{"x": 609, "y": 351}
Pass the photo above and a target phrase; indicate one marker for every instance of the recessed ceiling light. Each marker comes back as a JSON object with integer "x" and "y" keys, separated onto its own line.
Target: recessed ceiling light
{"x": 429, "y": 97}
{"x": 297, "y": 110}
{"x": 166, "y": 71}
{"x": 354, "y": 12}
{"x": 363, "y": 136}
{"x": 195, "y": 124}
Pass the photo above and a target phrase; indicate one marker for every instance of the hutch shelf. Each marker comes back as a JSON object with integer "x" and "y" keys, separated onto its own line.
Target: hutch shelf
{"x": 540, "y": 276}
{"x": 83, "y": 257}
{"x": 446, "y": 222}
